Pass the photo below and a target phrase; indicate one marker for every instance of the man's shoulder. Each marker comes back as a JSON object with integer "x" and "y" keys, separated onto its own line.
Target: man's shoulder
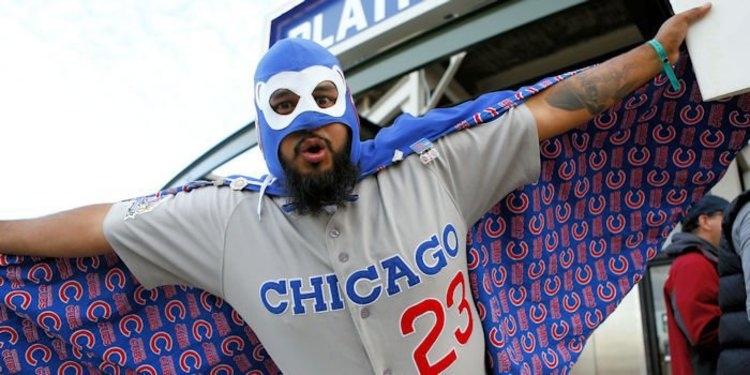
{"x": 190, "y": 196}
{"x": 692, "y": 257}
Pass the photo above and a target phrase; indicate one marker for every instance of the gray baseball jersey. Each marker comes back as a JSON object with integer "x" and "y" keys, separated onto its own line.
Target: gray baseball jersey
{"x": 379, "y": 286}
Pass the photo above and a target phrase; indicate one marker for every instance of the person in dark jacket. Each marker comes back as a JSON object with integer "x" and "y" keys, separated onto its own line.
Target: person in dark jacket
{"x": 734, "y": 284}
{"x": 691, "y": 291}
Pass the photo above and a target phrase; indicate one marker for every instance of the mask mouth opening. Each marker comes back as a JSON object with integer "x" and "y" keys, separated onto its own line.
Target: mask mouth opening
{"x": 313, "y": 148}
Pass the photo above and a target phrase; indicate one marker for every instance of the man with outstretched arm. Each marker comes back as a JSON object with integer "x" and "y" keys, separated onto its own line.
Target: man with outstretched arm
{"x": 333, "y": 265}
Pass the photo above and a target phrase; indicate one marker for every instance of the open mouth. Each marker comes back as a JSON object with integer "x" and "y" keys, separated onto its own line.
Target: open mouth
{"x": 312, "y": 149}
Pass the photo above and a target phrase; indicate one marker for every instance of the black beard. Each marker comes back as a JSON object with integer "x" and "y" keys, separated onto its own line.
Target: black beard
{"x": 311, "y": 193}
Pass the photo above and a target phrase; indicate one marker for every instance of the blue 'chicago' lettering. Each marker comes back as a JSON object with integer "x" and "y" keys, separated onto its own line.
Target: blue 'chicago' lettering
{"x": 396, "y": 268}
{"x": 369, "y": 273}
{"x": 363, "y": 286}
{"x": 316, "y": 295}
{"x": 276, "y": 286}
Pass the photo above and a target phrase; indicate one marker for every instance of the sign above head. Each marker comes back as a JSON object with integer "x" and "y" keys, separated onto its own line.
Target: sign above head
{"x": 355, "y": 30}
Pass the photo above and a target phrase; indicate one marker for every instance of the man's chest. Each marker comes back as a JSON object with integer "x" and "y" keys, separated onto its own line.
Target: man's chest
{"x": 370, "y": 251}
{"x": 377, "y": 273}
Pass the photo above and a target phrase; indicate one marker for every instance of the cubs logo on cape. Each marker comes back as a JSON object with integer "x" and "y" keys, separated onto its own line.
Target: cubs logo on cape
{"x": 547, "y": 264}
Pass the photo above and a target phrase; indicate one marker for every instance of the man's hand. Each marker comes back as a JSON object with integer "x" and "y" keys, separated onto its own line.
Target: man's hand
{"x": 672, "y": 32}
{"x": 578, "y": 99}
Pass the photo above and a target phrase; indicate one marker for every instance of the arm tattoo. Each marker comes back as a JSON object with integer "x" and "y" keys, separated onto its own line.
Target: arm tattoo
{"x": 591, "y": 90}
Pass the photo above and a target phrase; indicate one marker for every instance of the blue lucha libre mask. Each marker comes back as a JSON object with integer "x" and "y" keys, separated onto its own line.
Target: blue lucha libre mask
{"x": 300, "y": 65}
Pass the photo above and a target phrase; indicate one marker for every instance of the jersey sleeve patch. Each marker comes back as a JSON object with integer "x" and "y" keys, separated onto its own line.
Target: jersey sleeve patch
{"x": 143, "y": 205}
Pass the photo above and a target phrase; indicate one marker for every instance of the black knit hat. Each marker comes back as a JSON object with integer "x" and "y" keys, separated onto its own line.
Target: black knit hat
{"x": 710, "y": 204}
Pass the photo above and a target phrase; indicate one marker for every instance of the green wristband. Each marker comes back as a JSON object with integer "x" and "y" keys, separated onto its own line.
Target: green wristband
{"x": 665, "y": 65}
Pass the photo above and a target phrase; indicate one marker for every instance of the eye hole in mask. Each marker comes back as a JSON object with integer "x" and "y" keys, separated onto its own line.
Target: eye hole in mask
{"x": 288, "y": 94}
{"x": 284, "y": 101}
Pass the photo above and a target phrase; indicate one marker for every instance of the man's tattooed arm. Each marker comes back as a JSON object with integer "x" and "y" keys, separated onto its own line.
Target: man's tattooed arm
{"x": 578, "y": 99}
{"x": 594, "y": 90}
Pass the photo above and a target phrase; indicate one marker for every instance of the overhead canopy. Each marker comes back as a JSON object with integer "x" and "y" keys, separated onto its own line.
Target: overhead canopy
{"x": 504, "y": 44}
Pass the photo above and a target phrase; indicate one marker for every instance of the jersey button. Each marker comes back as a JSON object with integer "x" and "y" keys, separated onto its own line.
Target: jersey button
{"x": 387, "y": 372}
{"x": 334, "y": 233}
{"x": 343, "y": 257}
{"x": 365, "y": 313}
